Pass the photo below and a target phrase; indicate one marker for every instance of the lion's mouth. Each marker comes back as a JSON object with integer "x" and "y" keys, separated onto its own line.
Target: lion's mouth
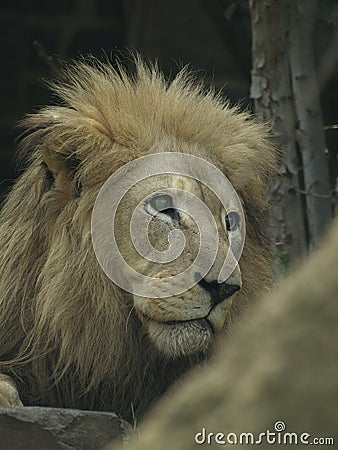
{"x": 214, "y": 320}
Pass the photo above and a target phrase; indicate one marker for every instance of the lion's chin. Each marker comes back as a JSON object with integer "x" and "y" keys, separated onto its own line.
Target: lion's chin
{"x": 179, "y": 339}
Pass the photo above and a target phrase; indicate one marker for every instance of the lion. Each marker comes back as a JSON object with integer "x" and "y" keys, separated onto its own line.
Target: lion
{"x": 279, "y": 373}
{"x": 71, "y": 337}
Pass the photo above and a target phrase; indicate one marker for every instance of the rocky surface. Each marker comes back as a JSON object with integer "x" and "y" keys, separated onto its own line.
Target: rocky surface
{"x": 37, "y": 428}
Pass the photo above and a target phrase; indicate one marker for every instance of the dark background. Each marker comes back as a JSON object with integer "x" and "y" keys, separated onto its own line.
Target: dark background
{"x": 212, "y": 36}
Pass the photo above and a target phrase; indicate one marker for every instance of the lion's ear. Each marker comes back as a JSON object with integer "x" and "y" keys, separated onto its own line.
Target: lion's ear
{"x": 61, "y": 171}
{"x": 60, "y": 138}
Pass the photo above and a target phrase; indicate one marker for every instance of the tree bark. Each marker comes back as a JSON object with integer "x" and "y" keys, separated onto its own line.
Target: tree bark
{"x": 282, "y": 64}
{"x": 310, "y": 129}
{"x": 272, "y": 93}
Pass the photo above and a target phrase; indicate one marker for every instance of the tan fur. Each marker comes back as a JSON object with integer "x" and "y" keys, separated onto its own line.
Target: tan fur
{"x": 281, "y": 366}
{"x": 68, "y": 335}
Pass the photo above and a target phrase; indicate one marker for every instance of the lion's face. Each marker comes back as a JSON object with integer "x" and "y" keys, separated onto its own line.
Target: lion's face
{"x": 185, "y": 323}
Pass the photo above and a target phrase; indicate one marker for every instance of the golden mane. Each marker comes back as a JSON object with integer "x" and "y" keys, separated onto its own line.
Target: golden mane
{"x": 67, "y": 334}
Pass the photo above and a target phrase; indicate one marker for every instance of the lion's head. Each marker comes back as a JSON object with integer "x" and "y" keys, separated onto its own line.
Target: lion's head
{"x": 60, "y": 312}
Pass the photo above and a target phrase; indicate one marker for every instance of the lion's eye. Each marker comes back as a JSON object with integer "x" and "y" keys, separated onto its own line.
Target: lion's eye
{"x": 161, "y": 202}
{"x": 232, "y": 221}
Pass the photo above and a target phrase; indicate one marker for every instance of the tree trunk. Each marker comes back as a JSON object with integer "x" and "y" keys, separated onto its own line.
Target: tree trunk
{"x": 272, "y": 93}
{"x": 301, "y": 197}
{"x": 310, "y": 130}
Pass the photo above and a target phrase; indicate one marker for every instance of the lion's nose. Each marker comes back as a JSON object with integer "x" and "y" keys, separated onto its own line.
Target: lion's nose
{"x": 219, "y": 291}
